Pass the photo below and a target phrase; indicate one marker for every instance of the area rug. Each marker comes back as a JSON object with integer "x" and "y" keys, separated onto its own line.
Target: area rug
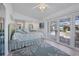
{"x": 44, "y": 50}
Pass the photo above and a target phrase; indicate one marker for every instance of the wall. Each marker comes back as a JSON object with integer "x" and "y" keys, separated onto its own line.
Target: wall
{"x": 1, "y": 11}
{"x": 2, "y": 15}
{"x": 35, "y": 25}
{"x": 17, "y": 23}
{"x": 24, "y": 24}
{"x": 1, "y": 23}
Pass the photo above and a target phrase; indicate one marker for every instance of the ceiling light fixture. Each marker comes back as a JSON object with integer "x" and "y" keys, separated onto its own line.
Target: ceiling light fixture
{"x": 42, "y": 7}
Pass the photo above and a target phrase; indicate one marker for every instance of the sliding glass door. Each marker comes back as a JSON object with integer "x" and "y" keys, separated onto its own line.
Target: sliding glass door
{"x": 67, "y": 30}
{"x": 64, "y": 29}
{"x": 53, "y": 30}
{"x": 77, "y": 31}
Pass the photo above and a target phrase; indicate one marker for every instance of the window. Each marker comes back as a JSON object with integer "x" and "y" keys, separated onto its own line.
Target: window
{"x": 77, "y": 31}
{"x": 64, "y": 28}
{"x": 53, "y": 30}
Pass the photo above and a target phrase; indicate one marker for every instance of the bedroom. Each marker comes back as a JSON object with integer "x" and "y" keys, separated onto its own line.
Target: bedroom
{"x": 37, "y": 29}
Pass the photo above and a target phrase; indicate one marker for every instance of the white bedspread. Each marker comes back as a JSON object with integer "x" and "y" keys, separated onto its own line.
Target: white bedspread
{"x": 22, "y": 36}
{"x": 20, "y": 40}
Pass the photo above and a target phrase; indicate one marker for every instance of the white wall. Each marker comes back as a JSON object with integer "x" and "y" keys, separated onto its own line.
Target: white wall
{"x": 2, "y": 15}
{"x": 24, "y": 24}
{"x": 2, "y": 11}
{"x": 35, "y": 25}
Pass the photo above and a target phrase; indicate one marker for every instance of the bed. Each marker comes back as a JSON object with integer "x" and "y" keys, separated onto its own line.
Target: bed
{"x": 22, "y": 39}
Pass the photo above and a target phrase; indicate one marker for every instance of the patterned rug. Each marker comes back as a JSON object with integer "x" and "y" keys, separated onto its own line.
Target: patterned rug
{"x": 43, "y": 50}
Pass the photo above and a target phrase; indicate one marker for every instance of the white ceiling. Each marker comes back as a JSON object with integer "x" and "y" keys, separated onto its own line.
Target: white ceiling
{"x": 28, "y": 10}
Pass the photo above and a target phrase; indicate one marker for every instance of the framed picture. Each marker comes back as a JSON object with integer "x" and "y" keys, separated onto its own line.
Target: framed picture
{"x": 41, "y": 25}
